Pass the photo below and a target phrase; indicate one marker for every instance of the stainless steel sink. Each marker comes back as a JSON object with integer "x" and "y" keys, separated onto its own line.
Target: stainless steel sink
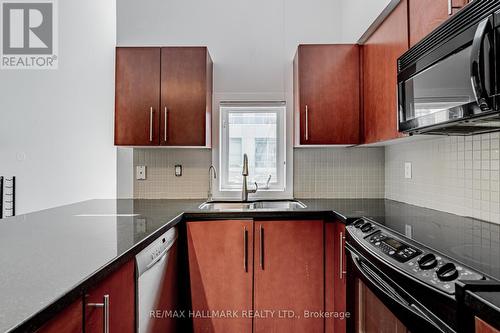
{"x": 254, "y": 205}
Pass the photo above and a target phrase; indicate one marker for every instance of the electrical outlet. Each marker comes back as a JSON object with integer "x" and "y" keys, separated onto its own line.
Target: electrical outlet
{"x": 140, "y": 172}
{"x": 178, "y": 170}
{"x": 408, "y": 170}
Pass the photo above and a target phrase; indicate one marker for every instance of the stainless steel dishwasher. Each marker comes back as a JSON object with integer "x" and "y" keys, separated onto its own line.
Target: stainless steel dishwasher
{"x": 156, "y": 285}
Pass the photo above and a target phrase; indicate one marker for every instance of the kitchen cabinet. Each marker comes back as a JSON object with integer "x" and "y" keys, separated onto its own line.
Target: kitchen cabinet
{"x": 335, "y": 284}
{"x": 483, "y": 327}
{"x": 116, "y": 294}
{"x": 221, "y": 273}
{"x": 327, "y": 95}
{"x": 289, "y": 275}
{"x": 286, "y": 273}
{"x": 426, "y": 15}
{"x": 380, "y": 54}
{"x": 137, "y": 96}
{"x": 163, "y": 96}
{"x": 70, "y": 320}
{"x": 186, "y": 96}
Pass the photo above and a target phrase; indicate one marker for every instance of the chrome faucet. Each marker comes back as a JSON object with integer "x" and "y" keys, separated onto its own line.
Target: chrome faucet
{"x": 211, "y": 171}
{"x": 245, "y": 191}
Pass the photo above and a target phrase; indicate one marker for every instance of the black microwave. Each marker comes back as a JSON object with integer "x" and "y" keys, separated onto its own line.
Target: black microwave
{"x": 448, "y": 83}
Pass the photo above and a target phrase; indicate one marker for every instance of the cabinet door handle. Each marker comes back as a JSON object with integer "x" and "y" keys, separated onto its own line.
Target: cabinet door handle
{"x": 307, "y": 123}
{"x": 151, "y": 124}
{"x": 341, "y": 256}
{"x": 450, "y": 7}
{"x": 245, "y": 247}
{"x": 105, "y": 307}
{"x": 261, "y": 249}
{"x": 165, "y": 125}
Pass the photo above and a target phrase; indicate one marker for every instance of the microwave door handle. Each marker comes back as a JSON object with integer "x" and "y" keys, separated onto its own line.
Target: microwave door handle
{"x": 392, "y": 294}
{"x": 477, "y": 75}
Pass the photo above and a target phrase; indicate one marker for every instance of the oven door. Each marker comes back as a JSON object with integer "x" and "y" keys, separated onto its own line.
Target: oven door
{"x": 453, "y": 83}
{"x": 377, "y": 304}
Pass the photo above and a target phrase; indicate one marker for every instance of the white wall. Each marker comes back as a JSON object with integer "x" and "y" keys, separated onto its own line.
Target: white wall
{"x": 357, "y": 16}
{"x": 56, "y": 127}
{"x": 252, "y": 43}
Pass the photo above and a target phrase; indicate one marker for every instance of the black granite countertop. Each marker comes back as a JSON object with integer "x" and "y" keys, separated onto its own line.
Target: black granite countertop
{"x": 49, "y": 257}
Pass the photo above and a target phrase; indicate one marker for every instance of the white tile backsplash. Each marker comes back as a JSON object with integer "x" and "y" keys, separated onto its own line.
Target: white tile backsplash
{"x": 459, "y": 175}
{"x": 339, "y": 172}
{"x": 161, "y": 182}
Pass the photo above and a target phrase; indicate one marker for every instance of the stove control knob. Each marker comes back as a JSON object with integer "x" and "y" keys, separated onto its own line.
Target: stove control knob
{"x": 447, "y": 272}
{"x": 427, "y": 261}
{"x": 359, "y": 223}
{"x": 367, "y": 227}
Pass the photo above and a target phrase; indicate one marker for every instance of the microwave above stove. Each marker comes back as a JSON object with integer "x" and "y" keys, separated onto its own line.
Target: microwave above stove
{"x": 448, "y": 83}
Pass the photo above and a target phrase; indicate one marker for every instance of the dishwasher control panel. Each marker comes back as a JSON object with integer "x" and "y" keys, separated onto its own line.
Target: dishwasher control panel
{"x": 156, "y": 250}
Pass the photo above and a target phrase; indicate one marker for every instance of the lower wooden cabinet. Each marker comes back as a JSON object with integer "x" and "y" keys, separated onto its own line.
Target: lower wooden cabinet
{"x": 483, "y": 327}
{"x": 289, "y": 276}
{"x": 70, "y": 320}
{"x": 221, "y": 273}
{"x": 119, "y": 290}
{"x": 335, "y": 284}
{"x": 269, "y": 291}
{"x": 87, "y": 315}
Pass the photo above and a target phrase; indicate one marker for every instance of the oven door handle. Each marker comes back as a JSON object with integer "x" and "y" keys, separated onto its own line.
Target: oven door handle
{"x": 392, "y": 294}
{"x": 477, "y": 74}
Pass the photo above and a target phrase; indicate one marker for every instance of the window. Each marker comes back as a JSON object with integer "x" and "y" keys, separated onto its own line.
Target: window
{"x": 259, "y": 132}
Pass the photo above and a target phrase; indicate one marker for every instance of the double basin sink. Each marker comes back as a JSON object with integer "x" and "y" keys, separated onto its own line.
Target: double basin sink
{"x": 267, "y": 205}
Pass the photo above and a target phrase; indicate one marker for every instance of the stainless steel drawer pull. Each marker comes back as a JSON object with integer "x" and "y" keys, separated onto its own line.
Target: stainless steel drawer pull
{"x": 151, "y": 124}
{"x": 261, "y": 249}
{"x": 307, "y": 123}
{"x": 245, "y": 246}
{"x": 165, "y": 125}
{"x": 341, "y": 254}
{"x": 105, "y": 306}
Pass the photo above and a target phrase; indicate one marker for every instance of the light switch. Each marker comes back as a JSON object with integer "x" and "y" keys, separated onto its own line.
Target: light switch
{"x": 140, "y": 172}
{"x": 408, "y": 170}
{"x": 178, "y": 170}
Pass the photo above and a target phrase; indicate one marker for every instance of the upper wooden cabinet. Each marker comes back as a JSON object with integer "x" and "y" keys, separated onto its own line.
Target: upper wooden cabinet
{"x": 380, "y": 54}
{"x": 186, "y": 96}
{"x": 327, "y": 95}
{"x": 426, "y": 15}
{"x": 137, "y": 96}
{"x": 163, "y": 96}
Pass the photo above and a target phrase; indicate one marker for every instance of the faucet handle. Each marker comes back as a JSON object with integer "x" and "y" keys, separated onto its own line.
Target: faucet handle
{"x": 256, "y": 188}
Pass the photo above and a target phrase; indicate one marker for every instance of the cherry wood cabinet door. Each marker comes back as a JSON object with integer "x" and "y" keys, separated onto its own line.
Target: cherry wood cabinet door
{"x": 221, "y": 274}
{"x": 288, "y": 276}
{"x": 120, "y": 286}
{"x": 426, "y": 15}
{"x": 483, "y": 327}
{"x": 380, "y": 54}
{"x": 137, "y": 96}
{"x": 339, "y": 281}
{"x": 327, "y": 94}
{"x": 335, "y": 284}
{"x": 70, "y": 320}
{"x": 186, "y": 96}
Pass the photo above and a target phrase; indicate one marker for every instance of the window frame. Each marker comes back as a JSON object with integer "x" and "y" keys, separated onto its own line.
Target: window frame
{"x": 276, "y": 185}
